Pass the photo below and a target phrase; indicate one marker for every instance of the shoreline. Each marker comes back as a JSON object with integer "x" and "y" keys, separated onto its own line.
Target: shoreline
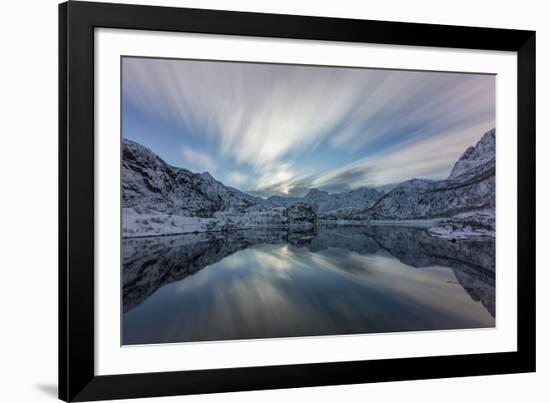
{"x": 433, "y": 226}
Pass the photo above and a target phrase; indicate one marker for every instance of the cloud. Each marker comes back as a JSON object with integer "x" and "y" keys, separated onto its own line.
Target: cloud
{"x": 419, "y": 105}
{"x": 345, "y": 179}
{"x": 198, "y": 159}
{"x": 237, "y": 178}
{"x": 266, "y": 119}
{"x": 278, "y": 180}
{"x": 431, "y": 158}
{"x": 258, "y": 113}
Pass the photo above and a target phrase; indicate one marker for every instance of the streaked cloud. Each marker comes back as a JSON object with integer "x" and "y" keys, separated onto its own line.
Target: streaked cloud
{"x": 237, "y": 178}
{"x": 198, "y": 159}
{"x": 430, "y": 158}
{"x": 283, "y": 128}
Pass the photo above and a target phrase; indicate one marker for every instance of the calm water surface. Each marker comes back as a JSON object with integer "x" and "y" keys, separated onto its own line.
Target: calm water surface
{"x": 276, "y": 283}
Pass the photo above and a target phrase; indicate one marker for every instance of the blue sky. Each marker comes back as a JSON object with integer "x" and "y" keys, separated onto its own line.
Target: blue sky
{"x": 282, "y": 129}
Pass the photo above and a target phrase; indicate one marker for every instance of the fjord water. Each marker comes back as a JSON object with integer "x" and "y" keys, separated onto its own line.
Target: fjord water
{"x": 278, "y": 283}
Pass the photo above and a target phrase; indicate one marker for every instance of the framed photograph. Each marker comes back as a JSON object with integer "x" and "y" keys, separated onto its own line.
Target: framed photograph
{"x": 254, "y": 201}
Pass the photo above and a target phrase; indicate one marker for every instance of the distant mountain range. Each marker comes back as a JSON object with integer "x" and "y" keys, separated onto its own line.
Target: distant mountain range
{"x": 158, "y": 198}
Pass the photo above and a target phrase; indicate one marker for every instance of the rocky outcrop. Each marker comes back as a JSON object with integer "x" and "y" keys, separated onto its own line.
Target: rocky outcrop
{"x": 301, "y": 213}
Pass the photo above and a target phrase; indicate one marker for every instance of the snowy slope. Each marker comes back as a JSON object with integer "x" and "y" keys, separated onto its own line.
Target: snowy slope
{"x": 149, "y": 185}
{"x": 470, "y": 188}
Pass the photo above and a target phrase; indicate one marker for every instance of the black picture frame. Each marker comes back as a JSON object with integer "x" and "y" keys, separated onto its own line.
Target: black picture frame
{"x": 77, "y": 379}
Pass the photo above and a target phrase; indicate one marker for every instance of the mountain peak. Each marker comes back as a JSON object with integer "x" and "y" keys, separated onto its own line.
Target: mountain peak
{"x": 206, "y": 175}
{"x": 475, "y": 156}
{"x": 488, "y": 136}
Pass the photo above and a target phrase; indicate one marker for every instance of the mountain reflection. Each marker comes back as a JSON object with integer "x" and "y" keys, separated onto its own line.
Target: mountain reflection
{"x": 281, "y": 283}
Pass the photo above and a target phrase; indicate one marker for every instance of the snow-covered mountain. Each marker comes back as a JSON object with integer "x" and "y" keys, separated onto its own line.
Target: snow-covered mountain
{"x": 149, "y": 185}
{"x": 158, "y": 198}
{"x": 468, "y": 191}
{"x": 475, "y": 157}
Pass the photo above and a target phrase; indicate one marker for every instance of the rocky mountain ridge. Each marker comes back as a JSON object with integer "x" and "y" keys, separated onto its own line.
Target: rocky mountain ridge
{"x": 149, "y": 185}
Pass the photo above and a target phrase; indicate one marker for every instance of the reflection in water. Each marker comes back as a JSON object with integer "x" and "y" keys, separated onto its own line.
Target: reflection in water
{"x": 280, "y": 283}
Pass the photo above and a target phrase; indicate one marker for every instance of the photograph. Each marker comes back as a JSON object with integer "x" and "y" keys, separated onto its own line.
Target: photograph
{"x": 264, "y": 200}
{"x": 279, "y": 201}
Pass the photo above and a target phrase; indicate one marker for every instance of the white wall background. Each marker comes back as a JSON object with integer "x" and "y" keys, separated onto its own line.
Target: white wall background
{"x": 28, "y": 201}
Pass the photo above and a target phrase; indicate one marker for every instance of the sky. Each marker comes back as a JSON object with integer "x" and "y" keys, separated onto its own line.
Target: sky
{"x": 273, "y": 129}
